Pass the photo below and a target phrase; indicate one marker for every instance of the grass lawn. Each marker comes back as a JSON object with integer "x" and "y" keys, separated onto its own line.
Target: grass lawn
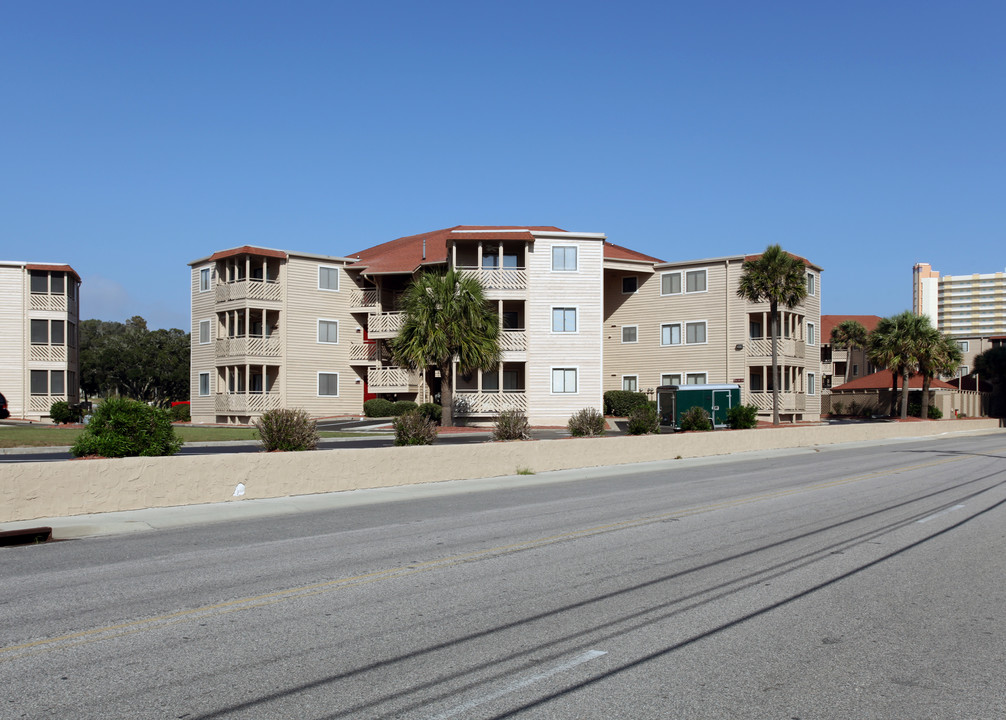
{"x": 42, "y": 436}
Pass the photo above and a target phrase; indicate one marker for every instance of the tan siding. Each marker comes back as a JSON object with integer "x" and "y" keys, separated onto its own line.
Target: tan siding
{"x": 13, "y": 349}
{"x": 203, "y": 356}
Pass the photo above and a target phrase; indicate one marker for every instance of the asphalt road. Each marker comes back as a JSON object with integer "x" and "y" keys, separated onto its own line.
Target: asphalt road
{"x": 855, "y": 582}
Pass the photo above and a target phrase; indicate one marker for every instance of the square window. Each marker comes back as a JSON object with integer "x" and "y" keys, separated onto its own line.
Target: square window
{"x": 670, "y": 379}
{"x": 328, "y": 384}
{"x": 56, "y": 382}
{"x": 695, "y": 379}
{"x": 490, "y": 381}
{"x": 39, "y": 332}
{"x": 204, "y": 332}
{"x": 564, "y": 258}
{"x": 564, "y": 320}
{"x": 630, "y": 283}
{"x": 670, "y": 334}
{"x": 629, "y": 333}
{"x": 564, "y": 380}
{"x": 695, "y": 333}
{"x": 328, "y": 278}
{"x": 39, "y": 382}
{"x": 39, "y": 281}
{"x": 204, "y": 384}
{"x": 695, "y": 281}
{"x": 204, "y": 280}
{"x": 630, "y": 383}
{"x": 670, "y": 283}
{"x": 328, "y": 331}
{"x": 962, "y": 345}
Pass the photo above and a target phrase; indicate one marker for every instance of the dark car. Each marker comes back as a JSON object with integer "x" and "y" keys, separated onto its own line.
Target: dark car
{"x": 4, "y": 412}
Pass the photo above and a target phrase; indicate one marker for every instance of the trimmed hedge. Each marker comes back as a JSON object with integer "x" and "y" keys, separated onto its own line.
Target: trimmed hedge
{"x": 62, "y": 412}
{"x": 379, "y": 407}
{"x": 127, "y": 428}
{"x": 621, "y": 402}
{"x": 404, "y": 407}
{"x": 431, "y": 411}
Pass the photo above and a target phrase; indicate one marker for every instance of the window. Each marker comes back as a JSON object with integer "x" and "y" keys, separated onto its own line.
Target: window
{"x": 630, "y": 284}
{"x": 695, "y": 333}
{"x": 563, "y": 258}
{"x": 695, "y": 379}
{"x": 811, "y": 284}
{"x": 811, "y": 382}
{"x": 204, "y": 332}
{"x": 328, "y": 278}
{"x": 670, "y": 283}
{"x": 629, "y": 333}
{"x": 564, "y": 380}
{"x": 39, "y": 332}
{"x": 57, "y": 332}
{"x": 39, "y": 282}
{"x": 328, "y": 384}
{"x": 57, "y": 284}
{"x": 754, "y": 329}
{"x": 962, "y": 345}
{"x": 855, "y": 370}
{"x": 56, "y": 383}
{"x": 695, "y": 281}
{"x": 39, "y": 382}
{"x": 510, "y": 320}
{"x": 328, "y": 331}
{"x": 564, "y": 320}
{"x": 963, "y": 370}
{"x": 811, "y": 334}
{"x": 204, "y": 384}
{"x": 71, "y": 335}
{"x": 490, "y": 262}
{"x": 670, "y": 334}
{"x": 204, "y": 280}
{"x": 630, "y": 383}
{"x": 670, "y": 379}
{"x": 490, "y": 381}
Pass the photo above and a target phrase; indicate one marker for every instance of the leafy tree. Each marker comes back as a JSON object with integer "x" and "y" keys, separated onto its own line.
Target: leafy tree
{"x": 991, "y": 365}
{"x": 778, "y": 278}
{"x": 851, "y": 335}
{"x": 896, "y": 344}
{"x": 446, "y": 317}
{"x": 938, "y": 355}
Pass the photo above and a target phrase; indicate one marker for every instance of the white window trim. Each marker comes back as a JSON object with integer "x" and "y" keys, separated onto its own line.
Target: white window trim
{"x": 681, "y": 335}
{"x": 338, "y": 384}
{"x": 317, "y": 334}
{"x": 684, "y": 281}
{"x": 627, "y": 277}
{"x": 812, "y": 330}
{"x": 551, "y": 258}
{"x": 684, "y": 376}
{"x": 812, "y": 283}
{"x": 680, "y": 375}
{"x": 963, "y": 370}
{"x": 209, "y": 279}
{"x": 551, "y": 381}
{"x": 684, "y": 333}
{"x": 630, "y": 342}
{"x": 338, "y": 280}
{"x": 681, "y": 283}
{"x": 209, "y": 332}
{"x": 551, "y": 319}
{"x": 811, "y": 381}
{"x": 631, "y": 376}
{"x": 963, "y": 345}
{"x": 209, "y": 387}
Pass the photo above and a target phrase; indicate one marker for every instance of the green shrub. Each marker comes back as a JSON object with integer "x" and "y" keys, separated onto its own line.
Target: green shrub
{"x": 695, "y": 418}
{"x": 414, "y": 429}
{"x": 62, "y": 412}
{"x": 741, "y": 417}
{"x": 620, "y": 402}
{"x": 288, "y": 430}
{"x": 512, "y": 425}
{"x": 180, "y": 412}
{"x": 915, "y": 410}
{"x": 403, "y": 407}
{"x": 431, "y": 411}
{"x": 836, "y": 408}
{"x": 586, "y": 423}
{"x": 643, "y": 419}
{"x": 378, "y": 407}
{"x": 127, "y": 428}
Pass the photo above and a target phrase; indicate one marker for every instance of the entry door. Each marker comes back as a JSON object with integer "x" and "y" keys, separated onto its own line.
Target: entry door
{"x": 721, "y": 405}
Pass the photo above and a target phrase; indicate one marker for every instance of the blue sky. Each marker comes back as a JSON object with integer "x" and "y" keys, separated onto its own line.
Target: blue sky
{"x": 866, "y": 136}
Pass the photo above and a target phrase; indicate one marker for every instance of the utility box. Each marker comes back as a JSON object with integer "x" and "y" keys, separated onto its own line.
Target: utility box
{"x": 673, "y": 401}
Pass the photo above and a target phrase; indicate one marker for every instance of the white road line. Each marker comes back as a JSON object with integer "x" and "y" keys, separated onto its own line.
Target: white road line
{"x": 940, "y": 513}
{"x": 513, "y": 687}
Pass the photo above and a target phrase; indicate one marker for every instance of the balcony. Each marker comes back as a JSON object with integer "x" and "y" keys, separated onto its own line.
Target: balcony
{"x": 384, "y": 325}
{"x": 788, "y": 401}
{"x": 44, "y": 301}
{"x": 787, "y": 347}
{"x": 47, "y": 353}
{"x": 363, "y": 301}
{"x": 254, "y": 346}
{"x": 246, "y": 403}
{"x": 392, "y": 380}
{"x": 497, "y": 278}
{"x": 513, "y": 341}
{"x": 253, "y": 289}
{"x": 488, "y": 403}
{"x": 363, "y": 354}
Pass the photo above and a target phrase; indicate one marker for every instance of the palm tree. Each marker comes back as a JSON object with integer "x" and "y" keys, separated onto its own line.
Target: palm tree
{"x": 779, "y": 278}
{"x": 446, "y": 318}
{"x": 938, "y": 355}
{"x": 895, "y": 344}
{"x": 849, "y": 334}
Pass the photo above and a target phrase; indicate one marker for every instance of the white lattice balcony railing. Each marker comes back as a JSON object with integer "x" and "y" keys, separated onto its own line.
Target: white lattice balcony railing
{"x": 41, "y": 404}
{"x": 41, "y": 301}
{"x": 363, "y": 299}
{"x": 787, "y": 347}
{"x": 489, "y": 403}
{"x": 247, "y": 403}
{"x": 363, "y": 352}
{"x": 506, "y": 278}
{"x": 47, "y": 353}
{"x": 513, "y": 340}
{"x": 788, "y": 401}
{"x": 255, "y": 346}
{"x": 392, "y": 379}
{"x": 385, "y": 324}
{"x": 250, "y": 290}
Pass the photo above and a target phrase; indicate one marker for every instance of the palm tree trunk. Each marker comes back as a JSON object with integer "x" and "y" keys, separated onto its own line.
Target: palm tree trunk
{"x": 894, "y": 393}
{"x": 447, "y": 395}
{"x": 775, "y": 363}
{"x": 925, "y": 397}
{"x": 904, "y": 394}
{"x": 848, "y": 362}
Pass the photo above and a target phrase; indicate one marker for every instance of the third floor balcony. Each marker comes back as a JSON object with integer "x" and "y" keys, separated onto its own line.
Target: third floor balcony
{"x": 253, "y": 289}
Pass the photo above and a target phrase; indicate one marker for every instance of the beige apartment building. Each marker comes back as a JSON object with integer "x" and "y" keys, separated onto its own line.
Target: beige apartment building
{"x": 39, "y": 317}
{"x": 275, "y": 328}
{"x": 961, "y": 305}
{"x": 841, "y": 364}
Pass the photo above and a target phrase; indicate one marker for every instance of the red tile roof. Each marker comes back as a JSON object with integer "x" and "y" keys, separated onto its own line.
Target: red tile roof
{"x": 617, "y": 252}
{"x": 882, "y": 380}
{"x": 248, "y": 250}
{"x": 53, "y": 268}
{"x": 830, "y": 322}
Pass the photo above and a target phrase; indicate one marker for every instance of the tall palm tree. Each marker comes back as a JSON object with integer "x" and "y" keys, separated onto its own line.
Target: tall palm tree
{"x": 446, "y": 317}
{"x": 895, "y": 345}
{"x": 851, "y": 335}
{"x": 779, "y": 278}
{"x": 938, "y": 355}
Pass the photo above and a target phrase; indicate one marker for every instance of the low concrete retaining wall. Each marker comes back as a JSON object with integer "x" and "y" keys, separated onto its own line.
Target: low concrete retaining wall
{"x": 37, "y": 490}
